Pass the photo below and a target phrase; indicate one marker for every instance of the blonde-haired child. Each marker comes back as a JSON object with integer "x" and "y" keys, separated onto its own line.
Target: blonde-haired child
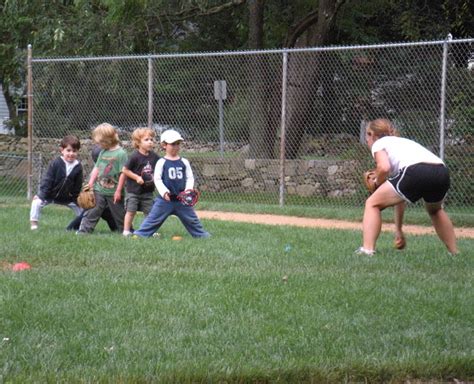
{"x": 139, "y": 172}
{"x": 105, "y": 179}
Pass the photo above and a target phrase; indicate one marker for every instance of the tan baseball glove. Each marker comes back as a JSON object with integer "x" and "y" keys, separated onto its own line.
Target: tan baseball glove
{"x": 86, "y": 199}
{"x": 370, "y": 180}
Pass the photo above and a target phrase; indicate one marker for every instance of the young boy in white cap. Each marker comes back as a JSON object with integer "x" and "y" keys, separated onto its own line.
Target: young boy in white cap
{"x": 173, "y": 174}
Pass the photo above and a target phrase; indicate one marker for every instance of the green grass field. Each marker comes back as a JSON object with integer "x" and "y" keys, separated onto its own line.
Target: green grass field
{"x": 102, "y": 308}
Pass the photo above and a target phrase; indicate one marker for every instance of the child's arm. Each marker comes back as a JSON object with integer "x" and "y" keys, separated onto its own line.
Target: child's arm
{"x": 131, "y": 175}
{"x": 78, "y": 183}
{"x": 118, "y": 191}
{"x": 189, "y": 175}
{"x": 46, "y": 185}
{"x": 158, "y": 179}
{"x": 93, "y": 177}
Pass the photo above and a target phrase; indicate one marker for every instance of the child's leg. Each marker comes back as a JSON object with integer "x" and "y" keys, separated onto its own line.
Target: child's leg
{"x": 127, "y": 222}
{"x": 92, "y": 216}
{"x": 75, "y": 224}
{"x": 107, "y": 216}
{"x": 146, "y": 203}
{"x": 132, "y": 202}
{"x": 160, "y": 211}
{"x": 191, "y": 222}
{"x": 36, "y": 206}
{"x": 117, "y": 210}
{"x": 77, "y": 210}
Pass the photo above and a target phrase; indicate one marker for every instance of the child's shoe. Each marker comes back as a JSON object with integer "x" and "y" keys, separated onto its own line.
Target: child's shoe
{"x": 34, "y": 227}
{"x": 126, "y": 233}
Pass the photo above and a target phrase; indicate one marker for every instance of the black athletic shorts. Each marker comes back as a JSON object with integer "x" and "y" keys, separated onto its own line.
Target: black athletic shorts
{"x": 428, "y": 181}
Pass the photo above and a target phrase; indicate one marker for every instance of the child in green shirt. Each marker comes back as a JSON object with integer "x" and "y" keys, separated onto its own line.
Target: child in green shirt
{"x": 105, "y": 179}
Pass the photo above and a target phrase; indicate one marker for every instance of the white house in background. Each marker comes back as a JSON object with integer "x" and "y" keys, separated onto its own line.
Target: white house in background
{"x": 4, "y": 114}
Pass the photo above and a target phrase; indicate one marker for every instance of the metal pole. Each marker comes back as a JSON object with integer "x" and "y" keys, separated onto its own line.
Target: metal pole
{"x": 442, "y": 118}
{"x": 221, "y": 122}
{"x": 283, "y": 128}
{"x": 30, "y": 123}
{"x": 150, "y": 92}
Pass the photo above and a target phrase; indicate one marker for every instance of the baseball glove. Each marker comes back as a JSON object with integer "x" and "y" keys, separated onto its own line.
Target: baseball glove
{"x": 148, "y": 179}
{"x": 86, "y": 199}
{"x": 370, "y": 180}
{"x": 189, "y": 197}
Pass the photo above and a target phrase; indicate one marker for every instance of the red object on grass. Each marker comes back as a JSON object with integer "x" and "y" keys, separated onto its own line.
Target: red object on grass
{"x": 20, "y": 266}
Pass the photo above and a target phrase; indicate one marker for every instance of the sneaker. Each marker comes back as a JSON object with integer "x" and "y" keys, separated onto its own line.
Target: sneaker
{"x": 363, "y": 251}
{"x": 157, "y": 235}
{"x": 34, "y": 227}
{"x": 126, "y": 233}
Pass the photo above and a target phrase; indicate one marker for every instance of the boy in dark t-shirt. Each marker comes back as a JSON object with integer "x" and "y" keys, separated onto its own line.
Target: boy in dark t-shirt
{"x": 139, "y": 173}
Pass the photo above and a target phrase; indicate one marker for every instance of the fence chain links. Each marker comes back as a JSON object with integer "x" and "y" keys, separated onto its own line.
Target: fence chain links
{"x": 228, "y": 107}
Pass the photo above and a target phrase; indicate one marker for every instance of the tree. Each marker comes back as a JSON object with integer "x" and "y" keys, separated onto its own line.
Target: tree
{"x": 305, "y": 71}
{"x": 15, "y": 24}
{"x": 262, "y": 134}
{"x": 109, "y": 27}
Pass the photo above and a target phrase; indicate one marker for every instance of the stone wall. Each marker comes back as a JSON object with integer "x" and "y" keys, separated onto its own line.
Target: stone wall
{"x": 306, "y": 178}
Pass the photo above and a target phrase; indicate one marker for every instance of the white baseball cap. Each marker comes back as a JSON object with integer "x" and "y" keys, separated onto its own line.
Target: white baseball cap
{"x": 171, "y": 136}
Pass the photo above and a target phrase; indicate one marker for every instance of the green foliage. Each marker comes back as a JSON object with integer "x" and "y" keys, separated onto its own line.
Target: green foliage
{"x": 378, "y": 21}
{"x": 19, "y": 124}
{"x": 80, "y": 95}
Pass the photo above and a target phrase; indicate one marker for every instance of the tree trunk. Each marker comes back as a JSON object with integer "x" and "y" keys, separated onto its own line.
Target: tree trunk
{"x": 261, "y": 135}
{"x": 10, "y": 102}
{"x": 304, "y": 76}
{"x": 256, "y": 24}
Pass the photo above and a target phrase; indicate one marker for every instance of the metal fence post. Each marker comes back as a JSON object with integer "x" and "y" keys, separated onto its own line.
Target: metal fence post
{"x": 283, "y": 128}
{"x": 30, "y": 123}
{"x": 442, "y": 118}
{"x": 150, "y": 92}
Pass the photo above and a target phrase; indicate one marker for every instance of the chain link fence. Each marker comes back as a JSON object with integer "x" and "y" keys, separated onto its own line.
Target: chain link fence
{"x": 276, "y": 127}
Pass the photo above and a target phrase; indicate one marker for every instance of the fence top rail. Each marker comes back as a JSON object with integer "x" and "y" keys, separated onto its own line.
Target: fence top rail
{"x": 252, "y": 52}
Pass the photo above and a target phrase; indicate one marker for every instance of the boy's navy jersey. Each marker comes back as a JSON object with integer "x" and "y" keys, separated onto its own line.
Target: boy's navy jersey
{"x": 173, "y": 176}
{"x": 58, "y": 186}
{"x": 143, "y": 166}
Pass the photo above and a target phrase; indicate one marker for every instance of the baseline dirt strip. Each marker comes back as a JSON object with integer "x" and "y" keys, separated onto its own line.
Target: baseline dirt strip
{"x": 320, "y": 223}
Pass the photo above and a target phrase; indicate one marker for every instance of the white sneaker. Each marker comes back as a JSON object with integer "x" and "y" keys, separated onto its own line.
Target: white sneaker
{"x": 34, "y": 227}
{"x": 363, "y": 251}
{"x": 126, "y": 233}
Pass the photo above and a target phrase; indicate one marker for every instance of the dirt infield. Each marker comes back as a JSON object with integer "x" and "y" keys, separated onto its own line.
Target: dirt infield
{"x": 320, "y": 223}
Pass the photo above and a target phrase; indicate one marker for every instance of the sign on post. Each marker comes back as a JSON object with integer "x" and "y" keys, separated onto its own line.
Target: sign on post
{"x": 220, "y": 90}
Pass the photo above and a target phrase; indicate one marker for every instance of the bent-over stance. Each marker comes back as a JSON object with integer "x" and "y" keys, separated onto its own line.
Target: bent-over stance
{"x": 406, "y": 172}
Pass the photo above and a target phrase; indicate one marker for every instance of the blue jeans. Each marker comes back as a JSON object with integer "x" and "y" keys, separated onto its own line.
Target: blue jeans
{"x": 162, "y": 209}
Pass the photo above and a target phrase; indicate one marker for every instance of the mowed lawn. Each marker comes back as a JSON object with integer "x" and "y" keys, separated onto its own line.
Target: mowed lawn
{"x": 251, "y": 304}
